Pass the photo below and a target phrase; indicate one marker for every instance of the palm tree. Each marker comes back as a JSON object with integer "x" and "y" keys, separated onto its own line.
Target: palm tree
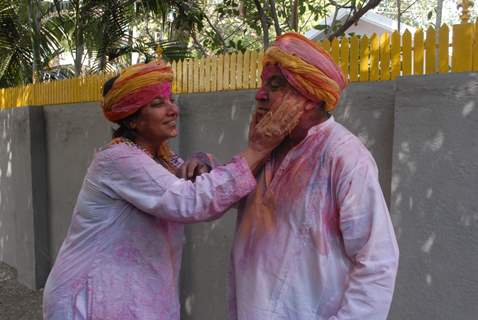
{"x": 33, "y": 34}
{"x": 26, "y": 43}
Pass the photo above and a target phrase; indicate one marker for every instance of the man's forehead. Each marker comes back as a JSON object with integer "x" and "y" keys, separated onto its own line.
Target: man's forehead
{"x": 271, "y": 70}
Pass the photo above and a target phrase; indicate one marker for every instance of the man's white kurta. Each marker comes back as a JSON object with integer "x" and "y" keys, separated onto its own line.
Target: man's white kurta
{"x": 315, "y": 240}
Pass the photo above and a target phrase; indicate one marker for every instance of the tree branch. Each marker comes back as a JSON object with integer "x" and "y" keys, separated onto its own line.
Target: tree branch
{"x": 221, "y": 38}
{"x": 355, "y": 18}
{"x": 197, "y": 44}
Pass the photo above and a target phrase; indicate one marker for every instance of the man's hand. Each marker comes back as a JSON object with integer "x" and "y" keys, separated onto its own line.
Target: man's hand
{"x": 192, "y": 168}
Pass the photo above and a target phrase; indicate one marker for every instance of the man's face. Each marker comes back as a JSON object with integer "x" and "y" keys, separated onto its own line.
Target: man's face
{"x": 273, "y": 89}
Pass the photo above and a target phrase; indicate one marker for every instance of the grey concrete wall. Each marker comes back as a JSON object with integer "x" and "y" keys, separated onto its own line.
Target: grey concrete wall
{"x": 434, "y": 197}
{"x": 23, "y": 215}
{"x": 73, "y": 134}
{"x": 215, "y": 123}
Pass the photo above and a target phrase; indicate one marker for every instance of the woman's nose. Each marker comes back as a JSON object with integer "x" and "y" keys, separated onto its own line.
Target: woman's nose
{"x": 173, "y": 109}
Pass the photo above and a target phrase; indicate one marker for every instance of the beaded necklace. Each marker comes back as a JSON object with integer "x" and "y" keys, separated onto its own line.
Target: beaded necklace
{"x": 169, "y": 166}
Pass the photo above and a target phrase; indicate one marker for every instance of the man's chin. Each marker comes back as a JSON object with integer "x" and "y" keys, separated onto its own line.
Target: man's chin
{"x": 260, "y": 115}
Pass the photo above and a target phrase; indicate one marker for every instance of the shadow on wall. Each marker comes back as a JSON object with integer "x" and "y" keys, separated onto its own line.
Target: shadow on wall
{"x": 219, "y": 124}
{"x": 434, "y": 198}
{"x": 7, "y": 222}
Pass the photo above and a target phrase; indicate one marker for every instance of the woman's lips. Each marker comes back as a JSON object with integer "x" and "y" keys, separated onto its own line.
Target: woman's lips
{"x": 171, "y": 123}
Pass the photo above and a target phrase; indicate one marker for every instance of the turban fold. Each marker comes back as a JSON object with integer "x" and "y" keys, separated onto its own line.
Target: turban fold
{"x": 308, "y": 68}
{"x": 136, "y": 87}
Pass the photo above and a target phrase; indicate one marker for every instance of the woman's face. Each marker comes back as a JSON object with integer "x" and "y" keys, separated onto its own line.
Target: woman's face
{"x": 157, "y": 120}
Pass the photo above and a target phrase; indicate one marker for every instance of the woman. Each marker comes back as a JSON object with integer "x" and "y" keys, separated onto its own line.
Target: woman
{"x": 121, "y": 256}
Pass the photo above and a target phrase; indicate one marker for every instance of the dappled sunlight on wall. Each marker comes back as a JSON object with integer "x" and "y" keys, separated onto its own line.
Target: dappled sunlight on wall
{"x": 434, "y": 204}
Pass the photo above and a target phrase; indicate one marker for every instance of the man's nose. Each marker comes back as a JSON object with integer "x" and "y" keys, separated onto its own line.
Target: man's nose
{"x": 262, "y": 94}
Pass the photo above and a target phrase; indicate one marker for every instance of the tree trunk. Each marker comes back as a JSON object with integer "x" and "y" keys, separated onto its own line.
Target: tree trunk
{"x": 399, "y": 15}
{"x": 264, "y": 24}
{"x": 438, "y": 21}
{"x": 277, "y": 27}
{"x": 295, "y": 15}
{"x": 79, "y": 40}
{"x": 36, "y": 38}
{"x": 439, "y": 14}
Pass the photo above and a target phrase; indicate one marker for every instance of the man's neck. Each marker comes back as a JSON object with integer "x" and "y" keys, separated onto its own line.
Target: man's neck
{"x": 300, "y": 132}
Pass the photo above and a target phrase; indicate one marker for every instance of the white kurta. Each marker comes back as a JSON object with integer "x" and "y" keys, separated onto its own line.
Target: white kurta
{"x": 122, "y": 254}
{"x": 315, "y": 241}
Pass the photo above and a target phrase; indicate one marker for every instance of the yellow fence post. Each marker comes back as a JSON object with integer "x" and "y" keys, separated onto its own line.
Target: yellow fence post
{"x": 246, "y": 70}
{"x": 325, "y": 44}
{"x": 179, "y": 76}
{"x": 374, "y": 57}
{"x": 214, "y": 73}
{"x": 232, "y": 71}
{"x": 462, "y": 47}
{"x": 259, "y": 68}
{"x": 225, "y": 78}
{"x": 430, "y": 46}
{"x": 443, "y": 49}
{"x": 475, "y": 47}
{"x": 253, "y": 70}
{"x": 395, "y": 55}
{"x": 364, "y": 59}
{"x": 354, "y": 58}
{"x": 335, "y": 50}
{"x": 239, "y": 64}
{"x": 407, "y": 53}
{"x": 207, "y": 75}
{"x": 384, "y": 57}
{"x": 190, "y": 75}
{"x": 418, "y": 49}
{"x": 220, "y": 72}
{"x": 344, "y": 57}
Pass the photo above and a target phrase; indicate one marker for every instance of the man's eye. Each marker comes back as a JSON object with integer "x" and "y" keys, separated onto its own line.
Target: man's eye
{"x": 275, "y": 85}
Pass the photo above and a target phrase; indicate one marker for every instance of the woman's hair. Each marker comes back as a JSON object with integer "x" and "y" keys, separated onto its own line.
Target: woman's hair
{"x": 124, "y": 130}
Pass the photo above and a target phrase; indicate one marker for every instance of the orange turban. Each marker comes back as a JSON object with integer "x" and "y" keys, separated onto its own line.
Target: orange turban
{"x": 308, "y": 68}
{"x": 136, "y": 87}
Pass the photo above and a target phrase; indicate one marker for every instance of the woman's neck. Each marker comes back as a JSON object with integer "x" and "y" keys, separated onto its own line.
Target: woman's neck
{"x": 149, "y": 147}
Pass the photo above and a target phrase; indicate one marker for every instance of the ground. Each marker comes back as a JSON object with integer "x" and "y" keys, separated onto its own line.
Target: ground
{"x": 17, "y": 302}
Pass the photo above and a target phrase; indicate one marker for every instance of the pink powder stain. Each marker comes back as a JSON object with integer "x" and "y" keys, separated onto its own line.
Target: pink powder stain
{"x": 164, "y": 90}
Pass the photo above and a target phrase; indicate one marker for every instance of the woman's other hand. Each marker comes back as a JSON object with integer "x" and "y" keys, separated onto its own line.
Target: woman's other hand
{"x": 192, "y": 168}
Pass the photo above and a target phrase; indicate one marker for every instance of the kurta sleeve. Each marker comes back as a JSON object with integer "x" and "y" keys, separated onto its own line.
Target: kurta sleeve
{"x": 137, "y": 179}
{"x": 369, "y": 242}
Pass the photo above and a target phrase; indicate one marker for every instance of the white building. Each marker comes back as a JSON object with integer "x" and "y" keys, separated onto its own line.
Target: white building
{"x": 368, "y": 24}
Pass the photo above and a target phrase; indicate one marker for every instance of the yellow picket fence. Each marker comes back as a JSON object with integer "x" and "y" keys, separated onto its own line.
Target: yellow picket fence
{"x": 362, "y": 59}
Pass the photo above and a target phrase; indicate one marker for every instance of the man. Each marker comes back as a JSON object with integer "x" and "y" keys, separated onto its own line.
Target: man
{"x": 314, "y": 240}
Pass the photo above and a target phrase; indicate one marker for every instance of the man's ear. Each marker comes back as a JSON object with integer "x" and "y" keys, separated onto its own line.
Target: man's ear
{"x": 310, "y": 105}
